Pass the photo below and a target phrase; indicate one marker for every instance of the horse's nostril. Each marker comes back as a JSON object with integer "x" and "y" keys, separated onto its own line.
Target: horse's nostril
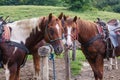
{"x": 66, "y": 45}
{"x": 59, "y": 49}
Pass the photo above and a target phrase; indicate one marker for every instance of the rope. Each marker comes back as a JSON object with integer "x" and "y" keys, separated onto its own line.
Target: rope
{"x": 52, "y": 58}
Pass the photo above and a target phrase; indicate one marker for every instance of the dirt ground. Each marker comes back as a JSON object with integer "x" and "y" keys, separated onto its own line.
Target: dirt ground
{"x": 27, "y": 72}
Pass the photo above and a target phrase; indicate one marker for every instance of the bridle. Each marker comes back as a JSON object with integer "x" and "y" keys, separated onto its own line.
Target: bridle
{"x": 46, "y": 32}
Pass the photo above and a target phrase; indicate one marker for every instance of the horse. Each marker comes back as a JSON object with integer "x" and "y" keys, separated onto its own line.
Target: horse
{"x": 92, "y": 43}
{"x": 29, "y": 33}
{"x": 116, "y": 52}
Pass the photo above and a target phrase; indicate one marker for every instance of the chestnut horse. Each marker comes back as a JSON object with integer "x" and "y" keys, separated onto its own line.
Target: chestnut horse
{"x": 91, "y": 41}
{"x": 30, "y": 32}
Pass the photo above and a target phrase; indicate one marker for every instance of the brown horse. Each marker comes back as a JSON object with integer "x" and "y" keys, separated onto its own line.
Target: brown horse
{"x": 92, "y": 43}
{"x": 30, "y": 32}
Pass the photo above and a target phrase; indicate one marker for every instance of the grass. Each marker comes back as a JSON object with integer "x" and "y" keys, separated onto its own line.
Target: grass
{"x": 76, "y": 65}
{"x": 22, "y": 12}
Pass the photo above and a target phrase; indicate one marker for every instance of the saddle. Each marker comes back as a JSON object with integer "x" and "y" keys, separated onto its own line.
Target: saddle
{"x": 104, "y": 32}
{"x": 113, "y": 22}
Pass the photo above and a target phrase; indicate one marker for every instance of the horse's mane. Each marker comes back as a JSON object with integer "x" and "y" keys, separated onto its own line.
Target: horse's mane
{"x": 26, "y": 23}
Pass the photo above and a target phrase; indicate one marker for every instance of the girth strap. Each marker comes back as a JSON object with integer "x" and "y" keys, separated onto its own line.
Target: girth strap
{"x": 23, "y": 47}
{"x": 91, "y": 40}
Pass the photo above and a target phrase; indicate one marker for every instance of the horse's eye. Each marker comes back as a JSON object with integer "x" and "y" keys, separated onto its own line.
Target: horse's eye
{"x": 51, "y": 31}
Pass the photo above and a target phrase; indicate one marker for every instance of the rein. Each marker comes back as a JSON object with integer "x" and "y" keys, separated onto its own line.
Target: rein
{"x": 46, "y": 32}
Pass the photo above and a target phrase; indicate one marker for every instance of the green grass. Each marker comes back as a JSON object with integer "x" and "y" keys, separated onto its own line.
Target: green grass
{"x": 22, "y": 12}
{"x": 76, "y": 65}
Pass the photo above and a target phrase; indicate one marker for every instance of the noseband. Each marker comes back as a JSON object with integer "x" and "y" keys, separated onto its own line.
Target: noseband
{"x": 46, "y": 32}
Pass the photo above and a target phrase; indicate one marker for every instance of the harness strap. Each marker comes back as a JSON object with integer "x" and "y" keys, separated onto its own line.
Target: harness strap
{"x": 23, "y": 47}
{"x": 91, "y": 40}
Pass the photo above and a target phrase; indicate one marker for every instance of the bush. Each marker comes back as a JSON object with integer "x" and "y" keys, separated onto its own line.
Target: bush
{"x": 117, "y": 8}
{"x": 107, "y": 8}
{"x": 76, "y": 5}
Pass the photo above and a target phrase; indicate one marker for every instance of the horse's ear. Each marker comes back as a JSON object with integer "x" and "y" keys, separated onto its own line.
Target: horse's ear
{"x": 75, "y": 19}
{"x": 50, "y": 17}
{"x": 98, "y": 19}
{"x": 42, "y": 22}
{"x": 65, "y": 18}
{"x": 60, "y": 16}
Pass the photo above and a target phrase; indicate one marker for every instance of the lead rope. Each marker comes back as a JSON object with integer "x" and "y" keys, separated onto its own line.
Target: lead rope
{"x": 53, "y": 60}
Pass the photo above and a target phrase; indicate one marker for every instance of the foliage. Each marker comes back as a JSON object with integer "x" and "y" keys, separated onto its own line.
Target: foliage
{"x": 116, "y": 8}
{"x": 80, "y": 4}
{"x": 108, "y": 5}
{"x": 31, "y": 2}
{"x": 75, "y": 5}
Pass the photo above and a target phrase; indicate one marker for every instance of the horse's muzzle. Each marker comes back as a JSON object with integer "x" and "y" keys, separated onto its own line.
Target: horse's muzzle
{"x": 68, "y": 46}
{"x": 58, "y": 50}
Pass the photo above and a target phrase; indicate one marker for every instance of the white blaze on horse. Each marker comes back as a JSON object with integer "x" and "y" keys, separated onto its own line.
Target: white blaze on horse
{"x": 30, "y": 32}
{"x": 92, "y": 42}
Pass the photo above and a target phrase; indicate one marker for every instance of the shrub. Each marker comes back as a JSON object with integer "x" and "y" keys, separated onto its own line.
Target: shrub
{"x": 117, "y": 8}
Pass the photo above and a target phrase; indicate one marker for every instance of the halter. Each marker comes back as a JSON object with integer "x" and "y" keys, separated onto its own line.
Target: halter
{"x": 46, "y": 31}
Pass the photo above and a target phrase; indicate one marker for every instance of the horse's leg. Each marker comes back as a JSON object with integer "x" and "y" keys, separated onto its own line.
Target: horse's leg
{"x": 110, "y": 67}
{"x": 116, "y": 63}
{"x": 7, "y": 72}
{"x": 13, "y": 70}
{"x": 97, "y": 67}
{"x": 17, "y": 74}
{"x": 36, "y": 60}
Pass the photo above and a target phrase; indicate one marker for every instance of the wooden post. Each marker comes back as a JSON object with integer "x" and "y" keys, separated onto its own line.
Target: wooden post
{"x": 67, "y": 64}
{"x": 74, "y": 51}
{"x": 44, "y": 52}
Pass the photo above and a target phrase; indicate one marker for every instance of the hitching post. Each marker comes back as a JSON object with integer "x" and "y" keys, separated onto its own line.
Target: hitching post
{"x": 74, "y": 51}
{"x": 67, "y": 64}
{"x": 44, "y": 52}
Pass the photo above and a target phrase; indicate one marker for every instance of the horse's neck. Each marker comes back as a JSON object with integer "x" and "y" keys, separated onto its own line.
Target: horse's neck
{"x": 25, "y": 30}
{"x": 87, "y": 30}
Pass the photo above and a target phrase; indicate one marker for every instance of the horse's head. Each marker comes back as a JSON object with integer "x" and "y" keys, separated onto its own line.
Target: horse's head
{"x": 54, "y": 32}
{"x": 70, "y": 27}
